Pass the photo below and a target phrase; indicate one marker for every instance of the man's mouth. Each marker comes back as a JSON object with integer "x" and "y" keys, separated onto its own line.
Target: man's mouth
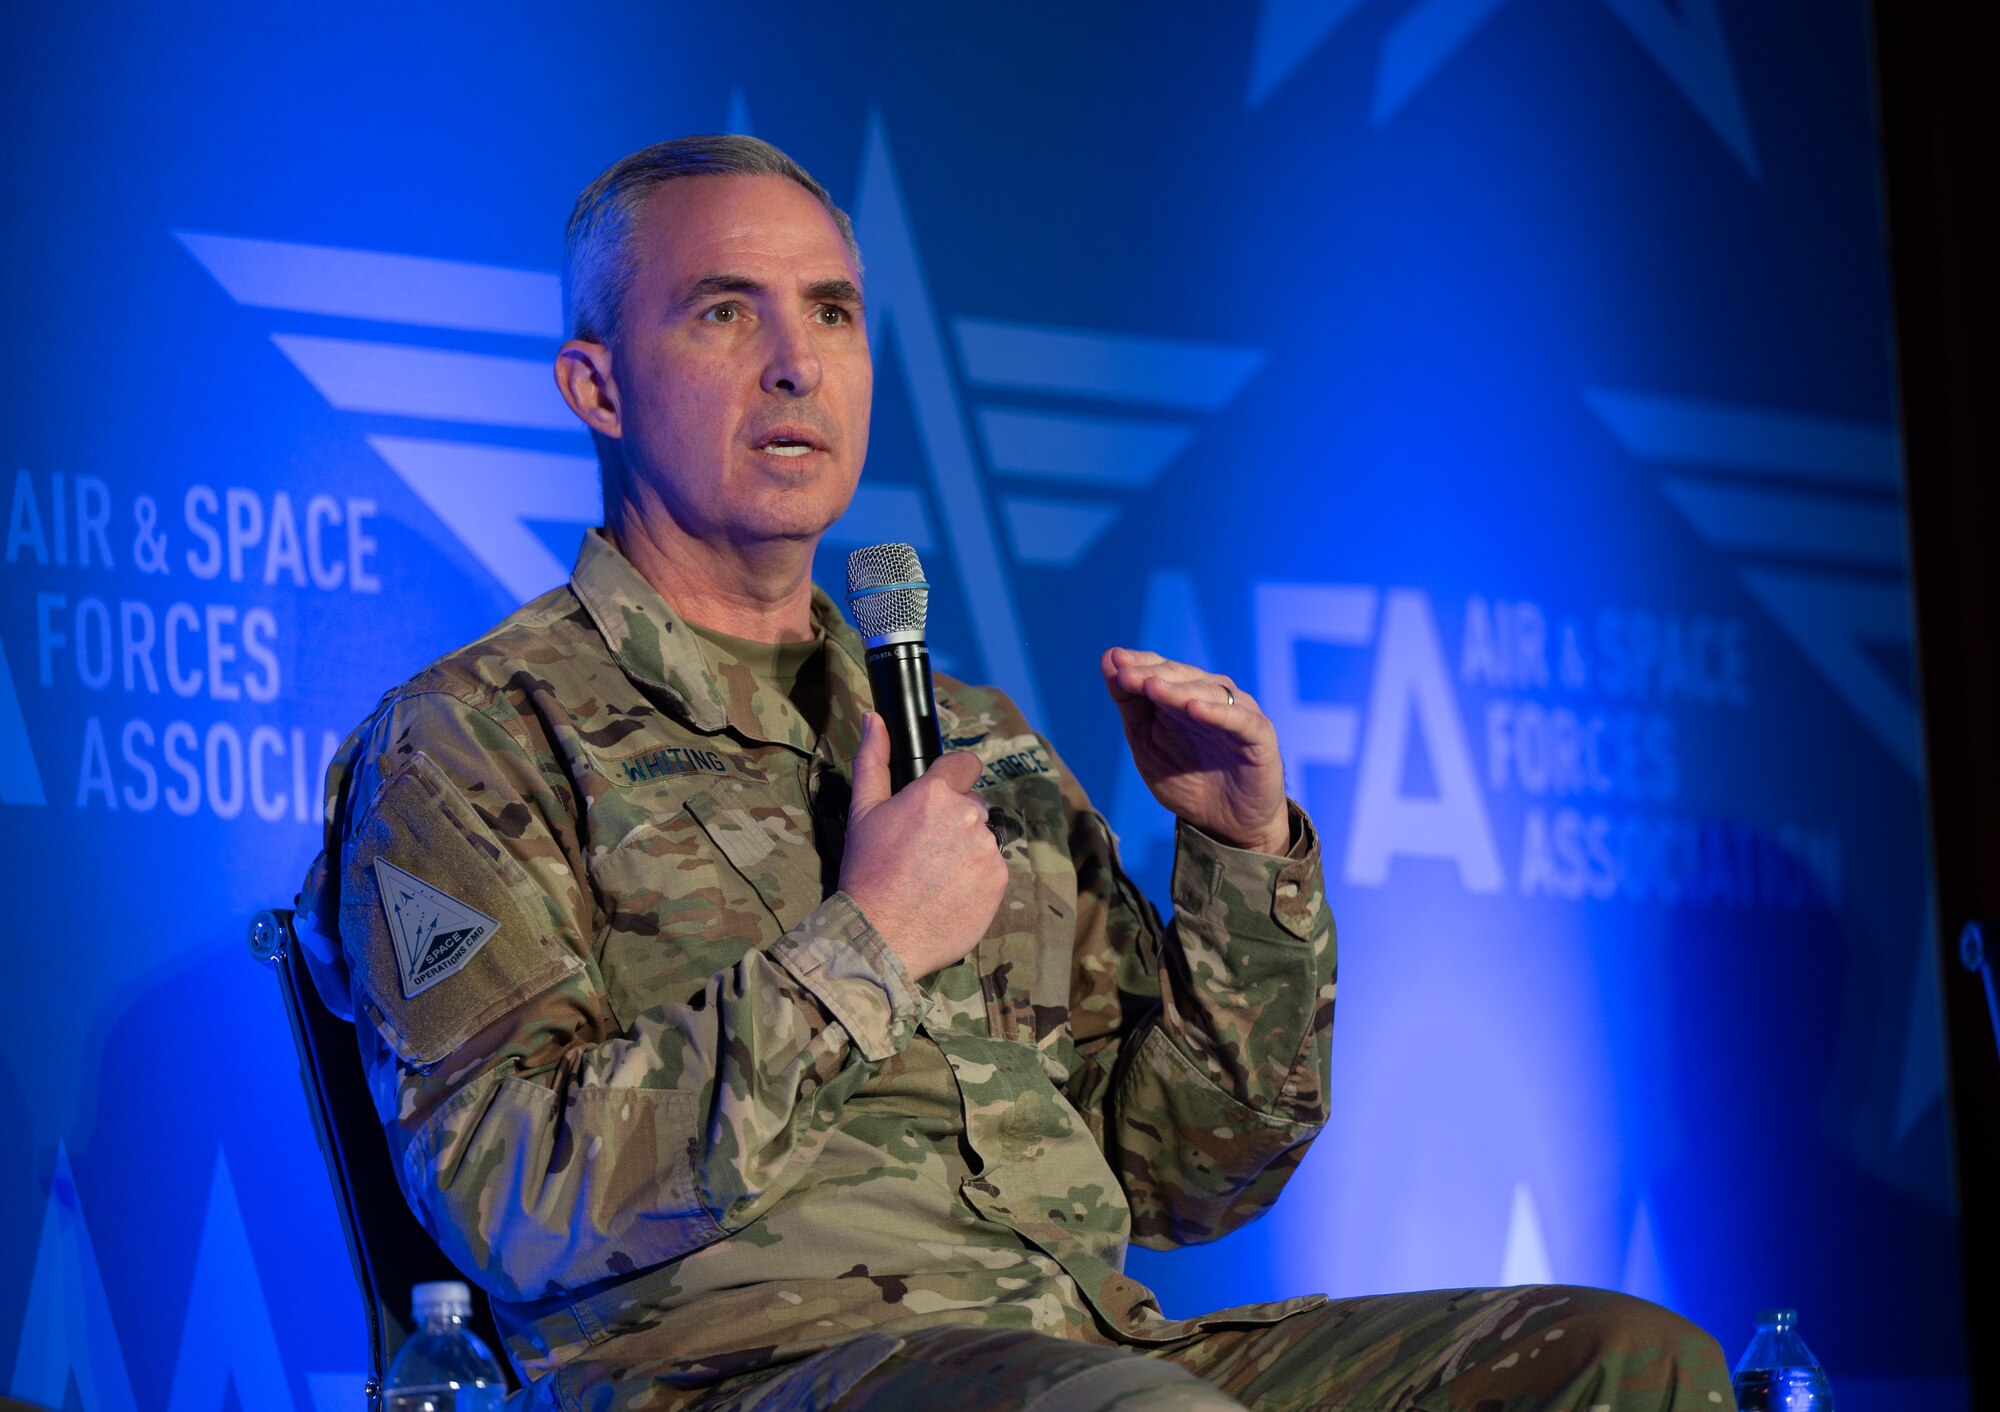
{"x": 790, "y": 442}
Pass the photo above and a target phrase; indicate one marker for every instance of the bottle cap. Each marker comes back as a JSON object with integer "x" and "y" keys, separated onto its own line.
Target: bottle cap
{"x": 1777, "y": 1318}
{"x": 446, "y": 1297}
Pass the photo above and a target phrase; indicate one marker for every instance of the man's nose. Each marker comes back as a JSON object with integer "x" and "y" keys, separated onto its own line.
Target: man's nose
{"x": 793, "y": 368}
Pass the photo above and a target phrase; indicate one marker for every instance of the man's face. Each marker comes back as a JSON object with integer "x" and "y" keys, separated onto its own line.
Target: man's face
{"x": 741, "y": 366}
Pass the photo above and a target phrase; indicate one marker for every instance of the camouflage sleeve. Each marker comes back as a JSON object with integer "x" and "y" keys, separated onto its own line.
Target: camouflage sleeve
{"x": 544, "y": 1144}
{"x": 1203, "y": 1048}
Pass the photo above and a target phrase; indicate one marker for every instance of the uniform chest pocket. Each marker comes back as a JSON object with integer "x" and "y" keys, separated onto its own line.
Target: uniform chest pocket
{"x": 690, "y": 892}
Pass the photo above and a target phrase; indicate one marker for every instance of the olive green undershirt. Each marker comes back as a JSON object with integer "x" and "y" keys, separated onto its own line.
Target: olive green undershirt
{"x": 794, "y": 670}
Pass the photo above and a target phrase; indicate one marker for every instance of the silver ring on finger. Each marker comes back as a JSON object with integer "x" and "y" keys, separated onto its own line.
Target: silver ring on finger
{"x": 1229, "y": 692}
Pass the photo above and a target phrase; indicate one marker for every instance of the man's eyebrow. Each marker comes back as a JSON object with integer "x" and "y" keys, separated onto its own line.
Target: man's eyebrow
{"x": 709, "y": 285}
{"x": 825, "y": 291}
{"x": 833, "y": 291}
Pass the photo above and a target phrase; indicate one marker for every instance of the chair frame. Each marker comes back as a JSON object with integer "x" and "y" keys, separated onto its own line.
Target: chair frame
{"x": 388, "y": 1248}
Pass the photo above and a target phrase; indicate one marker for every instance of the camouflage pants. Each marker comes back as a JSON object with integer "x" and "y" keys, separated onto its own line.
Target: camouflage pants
{"x": 1551, "y": 1348}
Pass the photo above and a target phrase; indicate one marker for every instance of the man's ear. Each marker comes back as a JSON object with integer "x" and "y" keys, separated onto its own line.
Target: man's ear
{"x": 583, "y": 373}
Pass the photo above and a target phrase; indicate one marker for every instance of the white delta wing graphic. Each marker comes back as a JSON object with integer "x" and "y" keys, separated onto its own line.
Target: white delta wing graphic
{"x": 1083, "y": 419}
{"x": 433, "y": 932}
{"x": 1813, "y": 509}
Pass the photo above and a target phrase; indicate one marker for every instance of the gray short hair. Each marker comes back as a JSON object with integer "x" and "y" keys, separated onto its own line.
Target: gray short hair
{"x": 597, "y": 258}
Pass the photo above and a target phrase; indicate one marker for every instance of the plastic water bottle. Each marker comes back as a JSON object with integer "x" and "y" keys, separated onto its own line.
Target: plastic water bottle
{"x": 1778, "y": 1373}
{"x": 444, "y": 1366}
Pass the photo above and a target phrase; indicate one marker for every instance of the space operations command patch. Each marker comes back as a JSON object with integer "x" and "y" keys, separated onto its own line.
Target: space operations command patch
{"x": 434, "y": 933}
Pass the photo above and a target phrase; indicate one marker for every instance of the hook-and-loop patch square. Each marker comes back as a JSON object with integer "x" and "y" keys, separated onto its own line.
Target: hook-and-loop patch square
{"x": 446, "y": 929}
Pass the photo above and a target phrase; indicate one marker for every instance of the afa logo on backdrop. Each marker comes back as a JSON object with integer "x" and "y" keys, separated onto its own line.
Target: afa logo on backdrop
{"x": 1529, "y": 752}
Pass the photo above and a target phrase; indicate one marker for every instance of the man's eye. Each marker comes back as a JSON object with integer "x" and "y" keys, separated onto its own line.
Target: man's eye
{"x": 723, "y": 314}
{"x": 832, "y": 315}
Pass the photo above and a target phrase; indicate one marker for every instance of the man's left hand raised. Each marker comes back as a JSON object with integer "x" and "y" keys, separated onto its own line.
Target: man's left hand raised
{"x": 1203, "y": 747}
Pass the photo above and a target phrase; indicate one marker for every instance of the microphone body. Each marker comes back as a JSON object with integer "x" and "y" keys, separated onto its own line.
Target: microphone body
{"x": 889, "y": 599}
{"x": 899, "y": 673}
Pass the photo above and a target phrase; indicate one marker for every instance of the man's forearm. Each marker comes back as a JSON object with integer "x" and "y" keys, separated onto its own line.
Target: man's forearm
{"x": 1213, "y": 1107}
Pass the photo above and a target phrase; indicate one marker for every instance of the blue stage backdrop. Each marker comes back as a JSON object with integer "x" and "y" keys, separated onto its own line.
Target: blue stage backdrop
{"x": 1503, "y": 392}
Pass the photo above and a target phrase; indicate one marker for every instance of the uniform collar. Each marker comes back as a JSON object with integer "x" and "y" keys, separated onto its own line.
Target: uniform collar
{"x": 652, "y": 644}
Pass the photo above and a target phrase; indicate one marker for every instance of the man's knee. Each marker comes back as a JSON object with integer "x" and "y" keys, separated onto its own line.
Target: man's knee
{"x": 1017, "y": 1370}
{"x": 1638, "y": 1347}
{"x": 1624, "y": 1324}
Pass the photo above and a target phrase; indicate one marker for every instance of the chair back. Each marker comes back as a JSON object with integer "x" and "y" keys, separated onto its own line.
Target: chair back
{"x": 388, "y": 1247}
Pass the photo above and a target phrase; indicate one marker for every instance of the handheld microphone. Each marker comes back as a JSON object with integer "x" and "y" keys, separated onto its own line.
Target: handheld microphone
{"x": 888, "y": 597}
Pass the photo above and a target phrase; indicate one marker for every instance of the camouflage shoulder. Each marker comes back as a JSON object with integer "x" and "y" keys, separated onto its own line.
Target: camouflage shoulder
{"x": 967, "y": 708}
{"x": 985, "y": 720}
{"x": 459, "y": 696}
{"x": 464, "y": 703}
{"x": 543, "y": 631}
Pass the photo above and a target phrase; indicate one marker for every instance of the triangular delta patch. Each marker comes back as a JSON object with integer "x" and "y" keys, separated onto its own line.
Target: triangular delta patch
{"x": 434, "y": 934}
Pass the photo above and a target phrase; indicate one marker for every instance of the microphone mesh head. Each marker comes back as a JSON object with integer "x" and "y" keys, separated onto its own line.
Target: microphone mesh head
{"x": 886, "y": 590}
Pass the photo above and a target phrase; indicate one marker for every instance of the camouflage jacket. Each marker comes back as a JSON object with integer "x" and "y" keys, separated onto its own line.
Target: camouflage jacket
{"x": 660, "y": 1088}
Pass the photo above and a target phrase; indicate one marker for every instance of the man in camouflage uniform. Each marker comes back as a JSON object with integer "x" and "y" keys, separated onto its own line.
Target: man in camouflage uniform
{"x": 738, "y": 1081}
